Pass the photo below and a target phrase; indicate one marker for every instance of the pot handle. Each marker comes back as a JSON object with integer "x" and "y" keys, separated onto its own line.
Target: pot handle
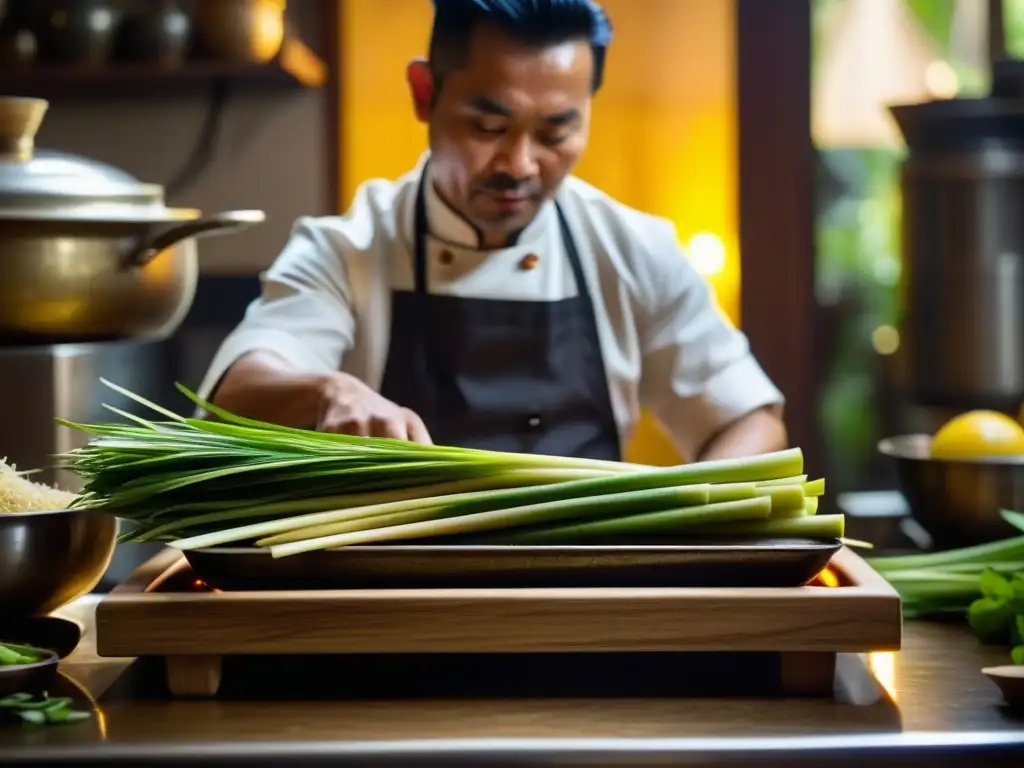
{"x": 140, "y": 254}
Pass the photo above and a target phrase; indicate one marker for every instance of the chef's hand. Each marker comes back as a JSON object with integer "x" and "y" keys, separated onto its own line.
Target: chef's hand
{"x": 350, "y": 407}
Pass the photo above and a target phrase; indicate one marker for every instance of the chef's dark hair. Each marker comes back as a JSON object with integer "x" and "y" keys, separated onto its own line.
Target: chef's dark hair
{"x": 534, "y": 22}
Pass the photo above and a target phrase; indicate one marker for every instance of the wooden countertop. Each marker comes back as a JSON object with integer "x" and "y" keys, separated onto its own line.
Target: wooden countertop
{"x": 889, "y": 707}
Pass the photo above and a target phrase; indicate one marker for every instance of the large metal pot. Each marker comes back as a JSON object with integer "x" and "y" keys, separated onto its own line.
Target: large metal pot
{"x": 962, "y": 187}
{"x": 87, "y": 252}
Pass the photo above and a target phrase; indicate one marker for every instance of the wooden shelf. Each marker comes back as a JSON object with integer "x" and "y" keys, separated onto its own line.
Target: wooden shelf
{"x": 295, "y": 66}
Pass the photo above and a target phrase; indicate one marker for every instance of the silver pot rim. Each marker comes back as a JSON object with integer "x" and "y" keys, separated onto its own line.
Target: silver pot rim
{"x": 50, "y": 185}
{"x": 100, "y": 212}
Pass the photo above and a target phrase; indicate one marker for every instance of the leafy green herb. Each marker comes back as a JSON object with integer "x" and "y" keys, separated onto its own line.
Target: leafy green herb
{"x": 990, "y": 619}
{"x": 41, "y": 710}
{"x": 984, "y": 582}
{"x": 995, "y": 586}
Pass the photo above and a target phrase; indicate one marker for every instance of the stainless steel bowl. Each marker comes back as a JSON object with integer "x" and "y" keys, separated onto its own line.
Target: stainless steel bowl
{"x": 48, "y": 559}
{"x": 957, "y": 502}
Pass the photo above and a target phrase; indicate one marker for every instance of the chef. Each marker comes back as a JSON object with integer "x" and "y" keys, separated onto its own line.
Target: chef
{"x": 488, "y": 298}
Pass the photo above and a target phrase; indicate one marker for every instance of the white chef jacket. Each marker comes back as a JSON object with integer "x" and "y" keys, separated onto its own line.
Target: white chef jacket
{"x": 325, "y": 302}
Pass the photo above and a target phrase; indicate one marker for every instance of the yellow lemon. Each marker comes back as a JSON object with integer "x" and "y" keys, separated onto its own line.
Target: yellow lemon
{"x": 978, "y": 433}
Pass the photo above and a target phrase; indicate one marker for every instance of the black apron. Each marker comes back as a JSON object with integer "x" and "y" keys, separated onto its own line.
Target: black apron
{"x": 520, "y": 376}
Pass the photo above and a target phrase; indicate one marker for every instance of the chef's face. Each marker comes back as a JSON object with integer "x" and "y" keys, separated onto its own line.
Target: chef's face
{"x": 506, "y": 127}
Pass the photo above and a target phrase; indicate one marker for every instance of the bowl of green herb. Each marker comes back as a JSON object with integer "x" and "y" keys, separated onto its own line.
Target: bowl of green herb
{"x": 26, "y": 669}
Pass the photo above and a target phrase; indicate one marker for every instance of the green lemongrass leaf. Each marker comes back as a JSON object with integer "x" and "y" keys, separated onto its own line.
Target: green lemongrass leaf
{"x": 1016, "y": 519}
{"x": 531, "y": 505}
{"x": 788, "y": 514}
{"x": 794, "y": 480}
{"x": 569, "y": 508}
{"x": 856, "y": 543}
{"x": 815, "y": 487}
{"x": 732, "y": 491}
{"x": 141, "y": 400}
{"x": 527, "y": 459}
{"x": 151, "y": 489}
{"x": 806, "y": 527}
{"x": 295, "y": 506}
{"x": 475, "y": 501}
{"x": 132, "y": 417}
{"x": 663, "y": 522}
{"x": 973, "y": 570}
{"x": 784, "y": 497}
{"x": 1006, "y": 550}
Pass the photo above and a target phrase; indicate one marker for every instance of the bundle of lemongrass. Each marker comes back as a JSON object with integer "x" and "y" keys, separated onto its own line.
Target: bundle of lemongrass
{"x": 200, "y": 483}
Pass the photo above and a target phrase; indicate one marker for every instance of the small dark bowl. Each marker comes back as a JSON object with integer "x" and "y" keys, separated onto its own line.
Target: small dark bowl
{"x": 49, "y": 559}
{"x": 34, "y": 678}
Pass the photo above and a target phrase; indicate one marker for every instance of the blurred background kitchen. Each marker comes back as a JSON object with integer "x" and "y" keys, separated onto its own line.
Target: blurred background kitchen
{"x": 759, "y": 127}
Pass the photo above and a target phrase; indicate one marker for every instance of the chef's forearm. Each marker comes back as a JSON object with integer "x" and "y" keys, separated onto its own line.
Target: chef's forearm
{"x": 762, "y": 431}
{"x": 262, "y": 386}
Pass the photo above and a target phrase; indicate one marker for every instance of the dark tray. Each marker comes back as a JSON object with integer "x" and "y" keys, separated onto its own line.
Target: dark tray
{"x": 703, "y": 563}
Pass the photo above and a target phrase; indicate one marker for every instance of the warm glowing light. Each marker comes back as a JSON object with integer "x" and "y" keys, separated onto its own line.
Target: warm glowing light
{"x": 885, "y": 340}
{"x": 202, "y": 586}
{"x": 97, "y": 710}
{"x": 875, "y": 53}
{"x": 941, "y": 80}
{"x": 706, "y": 252}
{"x": 828, "y": 578}
{"x": 883, "y": 667}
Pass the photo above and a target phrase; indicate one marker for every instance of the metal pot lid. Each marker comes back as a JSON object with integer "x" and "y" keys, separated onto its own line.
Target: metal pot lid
{"x": 50, "y": 184}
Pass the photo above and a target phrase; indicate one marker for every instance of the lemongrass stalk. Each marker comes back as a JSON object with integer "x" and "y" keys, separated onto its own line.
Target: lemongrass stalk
{"x": 732, "y": 491}
{"x": 476, "y": 501}
{"x": 811, "y": 505}
{"x": 784, "y": 497}
{"x": 633, "y": 502}
{"x": 420, "y": 515}
{"x": 593, "y": 507}
{"x": 814, "y": 527}
{"x": 1002, "y": 550}
{"x": 671, "y": 521}
{"x": 788, "y": 514}
{"x": 1009, "y": 567}
{"x": 291, "y": 509}
{"x": 795, "y": 480}
{"x": 815, "y": 487}
{"x": 792, "y": 506}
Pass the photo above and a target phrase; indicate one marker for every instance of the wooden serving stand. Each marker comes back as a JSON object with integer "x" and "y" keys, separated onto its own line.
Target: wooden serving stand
{"x": 163, "y": 611}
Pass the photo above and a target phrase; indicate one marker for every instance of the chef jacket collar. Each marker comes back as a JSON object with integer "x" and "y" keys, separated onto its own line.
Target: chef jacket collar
{"x": 447, "y": 225}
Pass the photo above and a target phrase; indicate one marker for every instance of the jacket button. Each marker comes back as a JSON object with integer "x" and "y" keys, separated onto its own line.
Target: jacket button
{"x": 446, "y": 257}
{"x": 529, "y": 261}
{"x": 533, "y": 421}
